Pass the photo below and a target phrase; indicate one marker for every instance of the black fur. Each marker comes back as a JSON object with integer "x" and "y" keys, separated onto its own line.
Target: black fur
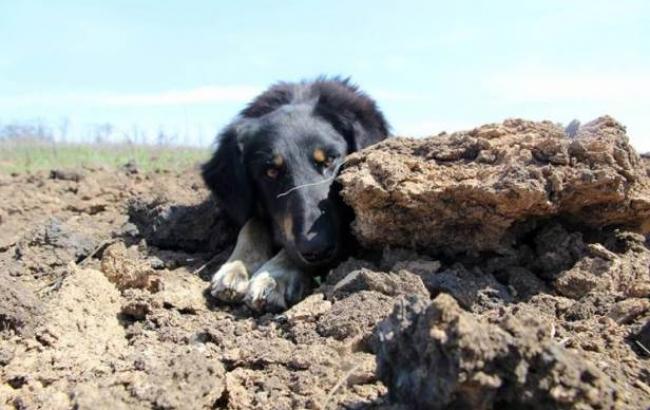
{"x": 292, "y": 120}
{"x": 226, "y": 175}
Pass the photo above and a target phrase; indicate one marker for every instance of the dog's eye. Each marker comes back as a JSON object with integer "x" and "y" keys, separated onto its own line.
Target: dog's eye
{"x": 329, "y": 161}
{"x": 323, "y": 159}
{"x": 320, "y": 157}
{"x": 272, "y": 172}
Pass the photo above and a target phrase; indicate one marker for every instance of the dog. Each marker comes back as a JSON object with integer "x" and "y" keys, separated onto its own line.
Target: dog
{"x": 274, "y": 173}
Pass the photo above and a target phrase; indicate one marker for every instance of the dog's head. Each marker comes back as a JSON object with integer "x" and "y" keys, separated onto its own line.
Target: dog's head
{"x": 279, "y": 160}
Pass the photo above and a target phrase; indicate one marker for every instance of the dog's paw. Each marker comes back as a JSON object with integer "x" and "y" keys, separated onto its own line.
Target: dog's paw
{"x": 275, "y": 291}
{"x": 265, "y": 294}
{"x": 230, "y": 283}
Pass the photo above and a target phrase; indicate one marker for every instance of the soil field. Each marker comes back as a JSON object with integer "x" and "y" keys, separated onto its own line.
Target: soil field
{"x": 103, "y": 305}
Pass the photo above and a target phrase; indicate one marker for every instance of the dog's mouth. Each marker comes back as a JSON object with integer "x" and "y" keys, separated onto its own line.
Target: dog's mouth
{"x": 315, "y": 261}
{"x": 312, "y": 248}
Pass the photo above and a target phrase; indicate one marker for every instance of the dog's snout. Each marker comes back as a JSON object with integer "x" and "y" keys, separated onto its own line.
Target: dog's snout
{"x": 314, "y": 224}
{"x": 315, "y": 250}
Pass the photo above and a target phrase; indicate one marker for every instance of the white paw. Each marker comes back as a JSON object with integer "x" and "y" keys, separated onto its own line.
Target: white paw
{"x": 265, "y": 294}
{"x": 230, "y": 283}
{"x": 274, "y": 291}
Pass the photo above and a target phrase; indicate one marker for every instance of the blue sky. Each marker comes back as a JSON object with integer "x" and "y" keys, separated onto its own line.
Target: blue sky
{"x": 189, "y": 66}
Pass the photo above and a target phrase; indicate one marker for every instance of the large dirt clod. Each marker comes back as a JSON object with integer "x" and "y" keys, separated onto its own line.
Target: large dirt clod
{"x": 20, "y": 309}
{"x": 194, "y": 227}
{"x": 437, "y": 356}
{"x": 468, "y": 191}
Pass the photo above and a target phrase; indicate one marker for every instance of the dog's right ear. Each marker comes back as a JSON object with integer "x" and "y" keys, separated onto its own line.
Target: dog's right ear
{"x": 226, "y": 175}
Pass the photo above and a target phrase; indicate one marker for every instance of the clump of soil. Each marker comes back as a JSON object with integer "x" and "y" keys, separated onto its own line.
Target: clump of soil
{"x": 103, "y": 305}
{"x": 435, "y": 355}
{"x": 544, "y": 303}
{"x": 470, "y": 191}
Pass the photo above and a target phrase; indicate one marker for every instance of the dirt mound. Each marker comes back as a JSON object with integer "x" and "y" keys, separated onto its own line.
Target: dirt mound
{"x": 435, "y": 355}
{"x": 470, "y": 191}
{"x": 103, "y": 306}
{"x": 534, "y": 292}
{"x": 512, "y": 338}
{"x": 194, "y": 227}
{"x": 550, "y": 289}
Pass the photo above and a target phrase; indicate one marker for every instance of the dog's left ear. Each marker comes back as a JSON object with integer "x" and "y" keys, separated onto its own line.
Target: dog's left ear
{"x": 352, "y": 113}
{"x": 226, "y": 174}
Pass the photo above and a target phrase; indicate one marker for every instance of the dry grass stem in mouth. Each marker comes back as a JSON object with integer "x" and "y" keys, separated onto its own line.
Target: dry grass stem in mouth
{"x": 332, "y": 178}
{"x": 645, "y": 349}
{"x": 290, "y": 190}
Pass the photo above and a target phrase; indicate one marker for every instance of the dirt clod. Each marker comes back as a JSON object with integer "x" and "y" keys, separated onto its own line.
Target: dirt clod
{"x": 67, "y": 174}
{"x": 126, "y": 271}
{"x": 195, "y": 227}
{"x": 435, "y": 355}
{"x": 20, "y": 309}
{"x": 390, "y": 284}
{"x": 480, "y": 184}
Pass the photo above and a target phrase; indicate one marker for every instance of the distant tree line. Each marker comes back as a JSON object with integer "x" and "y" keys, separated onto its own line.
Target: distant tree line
{"x": 26, "y": 131}
{"x": 104, "y": 133}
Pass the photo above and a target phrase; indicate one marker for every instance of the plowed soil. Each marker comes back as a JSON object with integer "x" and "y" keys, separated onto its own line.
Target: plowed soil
{"x": 103, "y": 304}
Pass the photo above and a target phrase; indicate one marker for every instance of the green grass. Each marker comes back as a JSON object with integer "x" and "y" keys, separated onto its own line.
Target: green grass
{"x": 23, "y": 156}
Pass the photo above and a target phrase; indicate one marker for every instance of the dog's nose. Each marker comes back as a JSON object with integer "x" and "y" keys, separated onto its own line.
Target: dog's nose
{"x": 313, "y": 251}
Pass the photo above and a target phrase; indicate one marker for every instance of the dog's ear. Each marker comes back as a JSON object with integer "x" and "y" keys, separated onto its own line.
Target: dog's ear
{"x": 352, "y": 113}
{"x": 226, "y": 175}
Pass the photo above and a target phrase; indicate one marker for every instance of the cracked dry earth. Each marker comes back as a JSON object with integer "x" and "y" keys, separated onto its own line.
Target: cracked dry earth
{"x": 503, "y": 267}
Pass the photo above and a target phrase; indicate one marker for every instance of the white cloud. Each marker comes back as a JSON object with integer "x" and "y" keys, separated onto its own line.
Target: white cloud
{"x": 396, "y": 96}
{"x": 427, "y": 128}
{"x": 199, "y": 95}
{"x": 209, "y": 94}
{"x": 576, "y": 93}
{"x": 529, "y": 84}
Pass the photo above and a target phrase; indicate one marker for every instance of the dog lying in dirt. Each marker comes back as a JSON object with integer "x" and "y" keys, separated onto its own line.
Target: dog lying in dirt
{"x": 274, "y": 171}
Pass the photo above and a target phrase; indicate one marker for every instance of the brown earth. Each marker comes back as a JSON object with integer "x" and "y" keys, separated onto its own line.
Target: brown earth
{"x": 482, "y": 185}
{"x": 517, "y": 276}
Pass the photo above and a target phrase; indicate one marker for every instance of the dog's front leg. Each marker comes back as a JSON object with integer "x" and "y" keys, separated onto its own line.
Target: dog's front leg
{"x": 277, "y": 285}
{"x": 253, "y": 249}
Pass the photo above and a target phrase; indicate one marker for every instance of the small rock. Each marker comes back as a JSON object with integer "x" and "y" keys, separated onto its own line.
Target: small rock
{"x": 598, "y": 250}
{"x": 131, "y": 167}
{"x": 136, "y": 309}
{"x": 126, "y": 271}
{"x": 473, "y": 289}
{"x": 336, "y": 274}
{"x": 6, "y": 355}
{"x": 20, "y": 309}
{"x": 419, "y": 266}
{"x": 355, "y": 316}
{"x": 67, "y": 175}
{"x": 390, "y": 284}
{"x": 525, "y": 283}
{"x": 309, "y": 309}
{"x": 582, "y": 278}
{"x": 156, "y": 263}
{"x": 626, "y": 311}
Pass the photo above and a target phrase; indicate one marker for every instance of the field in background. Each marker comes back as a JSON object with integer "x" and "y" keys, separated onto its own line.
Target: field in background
{"x": 29, "y": 156}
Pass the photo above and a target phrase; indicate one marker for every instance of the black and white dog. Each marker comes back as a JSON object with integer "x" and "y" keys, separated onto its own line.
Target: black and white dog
{"x": 273, "y": 171}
